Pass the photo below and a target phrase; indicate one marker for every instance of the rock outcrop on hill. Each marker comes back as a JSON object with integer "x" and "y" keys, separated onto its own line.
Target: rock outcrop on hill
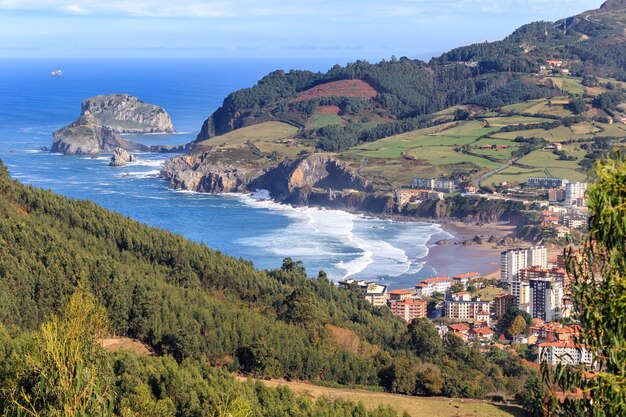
{"x": 121, "y": 157}
{"x": 101, "y": 121}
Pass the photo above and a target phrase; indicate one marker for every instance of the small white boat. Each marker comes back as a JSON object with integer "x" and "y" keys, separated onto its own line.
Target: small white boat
{"x": 56, "y": 73}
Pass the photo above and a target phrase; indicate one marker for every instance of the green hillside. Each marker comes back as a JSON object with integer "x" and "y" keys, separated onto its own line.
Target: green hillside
{"x": 190, "y": 303}
{"x": 559, "y": 81}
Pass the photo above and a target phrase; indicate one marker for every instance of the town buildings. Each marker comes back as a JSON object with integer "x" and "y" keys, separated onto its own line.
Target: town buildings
{"x": 464, "y": 279}
{"x": 399, "y": 295}
{"x": 545, "y": 182}
{"x": 462, "y": 306}
{"x": 409, "y": 309}
{"x": 566, "y": 353}
{"x": 501, "y": 304}
{"x": 514, "y": 260}
{"x": 404, "y": 197}
{"x": 431, "y": 285}
{"x": 575, "y": 194}
{"x": 546, "y": 298}
{"x": 372, "y": 292}
{"x": 437, "y": 184}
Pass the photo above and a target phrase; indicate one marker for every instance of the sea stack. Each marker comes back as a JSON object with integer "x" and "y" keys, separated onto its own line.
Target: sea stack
{"x": 104, "y": 118}
{"x": 121, "y": 157}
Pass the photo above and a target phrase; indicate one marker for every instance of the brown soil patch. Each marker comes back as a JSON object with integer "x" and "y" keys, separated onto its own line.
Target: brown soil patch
{"x": 343, "y": 88}
{"x": 115, "y": 344}
{"x": 23, "y": 211}
{"x": 349, "y": 340}
{"x": 328, "y": 110}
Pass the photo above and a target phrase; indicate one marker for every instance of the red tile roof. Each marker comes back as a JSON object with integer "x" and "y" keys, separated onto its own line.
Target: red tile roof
{"x": 435, "y": 279}
{"x": 401, "y": 292}
{"x": 460, "y": 327}
{"x": 467, "y": 275}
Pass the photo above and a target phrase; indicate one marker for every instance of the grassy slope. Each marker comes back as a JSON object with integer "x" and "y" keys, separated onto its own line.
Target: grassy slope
{"x": 414, "y": 406}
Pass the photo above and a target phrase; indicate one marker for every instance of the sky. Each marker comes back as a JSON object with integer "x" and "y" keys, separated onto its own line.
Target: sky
{"x": 332, "y": 29}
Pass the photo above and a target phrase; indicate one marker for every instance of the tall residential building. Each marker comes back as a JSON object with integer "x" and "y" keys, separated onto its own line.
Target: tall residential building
{"x": 463, "y": 307}
{"x": 575, "y": 193}
{"x": 409, "y": 309}
{"x": 546, "y": 298}
{"x": 514, "y": 260}
{"x": 502, "y": 303}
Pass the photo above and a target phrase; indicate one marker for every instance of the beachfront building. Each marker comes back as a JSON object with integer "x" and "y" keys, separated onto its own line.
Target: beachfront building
{"x": 399, "y": 295}
{"x": 429, "y": 286}
{"x": 404, "y": 197}
{"x": 462, "y": 306}
{"x": 409, "y": 309}
{"x": 464, "y": 279}
{"x": 514, "y": 260}
{"x": 372, "y": 292}
{"x": 566, "y": 353}
{"x": 376, "y": 294}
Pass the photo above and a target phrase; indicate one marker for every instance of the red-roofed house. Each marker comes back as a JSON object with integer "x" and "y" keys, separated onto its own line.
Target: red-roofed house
{"x": 464, "y": 279}
{"x": 458, "y": 327}
{"x": 481, "y": 334}
{"x": 399, "y": 295}
{"x": 431, "y": 285}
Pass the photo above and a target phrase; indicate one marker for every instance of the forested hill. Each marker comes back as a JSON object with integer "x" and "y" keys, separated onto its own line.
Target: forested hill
{"x": 394, "y": 96}
{"x": 187, "y": 301}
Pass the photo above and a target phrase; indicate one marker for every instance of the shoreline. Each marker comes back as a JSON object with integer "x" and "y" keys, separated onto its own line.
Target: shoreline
{"x": 449, "y": 259}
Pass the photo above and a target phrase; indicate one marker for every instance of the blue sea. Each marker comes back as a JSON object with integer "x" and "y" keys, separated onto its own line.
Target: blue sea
{"x": 33, "y": 104}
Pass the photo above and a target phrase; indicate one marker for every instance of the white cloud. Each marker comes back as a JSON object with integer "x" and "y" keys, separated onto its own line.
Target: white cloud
{"x": 75, "y": 8}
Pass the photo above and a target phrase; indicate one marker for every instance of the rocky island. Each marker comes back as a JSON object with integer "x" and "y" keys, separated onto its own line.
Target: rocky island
{"x": 103, "y": 118}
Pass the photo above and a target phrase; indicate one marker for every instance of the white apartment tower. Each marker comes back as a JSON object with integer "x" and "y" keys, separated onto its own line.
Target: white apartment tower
{"x": 575, "y": 193}
{"x": 514, "y": 260}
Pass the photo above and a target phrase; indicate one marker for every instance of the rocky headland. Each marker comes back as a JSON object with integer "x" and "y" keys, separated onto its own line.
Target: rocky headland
{"x": 104, "y": 118}
{"x": 313, "y": 180}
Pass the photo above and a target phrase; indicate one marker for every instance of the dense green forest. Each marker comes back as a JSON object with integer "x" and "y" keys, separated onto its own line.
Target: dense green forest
{"x": 193, "y": 304}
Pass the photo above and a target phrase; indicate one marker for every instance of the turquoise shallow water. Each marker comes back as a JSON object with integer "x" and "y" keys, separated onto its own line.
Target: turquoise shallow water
{"x": 33, "y": 105}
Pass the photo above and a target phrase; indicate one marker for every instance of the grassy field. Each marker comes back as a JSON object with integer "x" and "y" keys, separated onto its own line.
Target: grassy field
{"x": 523, "y": 106}
{"x": 563, "y": 133}
{"x": 268, "y": 137}
{"x": 542, "y": 163}
{"x": 448, "y": 135}
{"x": 514, "y": 120}
{"x": 321, "y": 120}
{"x": 414, "y": 406}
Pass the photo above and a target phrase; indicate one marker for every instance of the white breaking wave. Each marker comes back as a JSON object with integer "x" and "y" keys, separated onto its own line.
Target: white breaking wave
{"x": 359, "y": 245}
{"x": 139, "y": 174}
{"x": 147, "y": 163}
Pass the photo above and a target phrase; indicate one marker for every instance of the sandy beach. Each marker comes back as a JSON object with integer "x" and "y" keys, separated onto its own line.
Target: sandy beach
{"x": 453, "y": 259}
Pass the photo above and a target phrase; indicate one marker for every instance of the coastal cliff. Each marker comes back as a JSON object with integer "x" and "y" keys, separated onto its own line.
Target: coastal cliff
{"x": 313, "y": 180}
{"x": 104, "y": 118}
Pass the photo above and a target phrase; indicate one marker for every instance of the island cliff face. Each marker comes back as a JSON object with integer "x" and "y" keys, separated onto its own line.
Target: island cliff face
{"x": 101, "y": 121}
